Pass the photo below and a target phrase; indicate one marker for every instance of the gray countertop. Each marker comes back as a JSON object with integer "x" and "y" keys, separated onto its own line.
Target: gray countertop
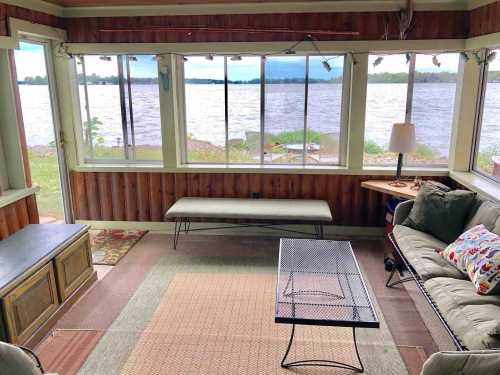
{"x": 27, "y": 247}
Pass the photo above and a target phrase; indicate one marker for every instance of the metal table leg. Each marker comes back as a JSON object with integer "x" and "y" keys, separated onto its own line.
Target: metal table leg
{"x": 322, "y": 362}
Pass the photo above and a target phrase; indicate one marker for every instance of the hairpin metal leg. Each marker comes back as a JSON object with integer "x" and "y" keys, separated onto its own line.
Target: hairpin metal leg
{"x": 322, "y": 362}
{"x": 177, "y": 231}
{"x": 391, "y": 284}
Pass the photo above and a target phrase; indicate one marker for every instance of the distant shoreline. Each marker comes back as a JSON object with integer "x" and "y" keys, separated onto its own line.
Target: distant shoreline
{"x": 420, "y": 77}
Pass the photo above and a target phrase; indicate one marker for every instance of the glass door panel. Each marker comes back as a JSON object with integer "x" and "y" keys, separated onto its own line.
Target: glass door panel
{"x": 37, "y": 110}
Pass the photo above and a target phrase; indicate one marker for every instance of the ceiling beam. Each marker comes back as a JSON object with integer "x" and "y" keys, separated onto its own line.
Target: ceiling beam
{"x": 242, "y": 8}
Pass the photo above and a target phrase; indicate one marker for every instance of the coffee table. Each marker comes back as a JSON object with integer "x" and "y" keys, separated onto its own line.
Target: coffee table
{"x": 320, "y": 283}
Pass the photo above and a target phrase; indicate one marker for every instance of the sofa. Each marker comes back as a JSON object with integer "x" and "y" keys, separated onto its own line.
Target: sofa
{"x": 469, "y": 316}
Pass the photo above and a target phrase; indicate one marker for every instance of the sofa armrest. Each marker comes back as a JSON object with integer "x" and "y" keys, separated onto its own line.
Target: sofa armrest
{"x": 402, "y": 211}
{"x": 484, "y": 362}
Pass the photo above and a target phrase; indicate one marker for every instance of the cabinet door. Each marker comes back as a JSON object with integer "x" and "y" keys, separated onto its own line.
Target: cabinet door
{"x": 30, "y": 304}
{"x": 73, "y": 266}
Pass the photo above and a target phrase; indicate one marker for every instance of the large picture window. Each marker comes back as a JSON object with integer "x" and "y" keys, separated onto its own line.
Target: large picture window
{"x": 120, "y": 109}
{"x": 487, "y": 155}
{"x": 264, "y": 110}
{"x": 423, "y": 93}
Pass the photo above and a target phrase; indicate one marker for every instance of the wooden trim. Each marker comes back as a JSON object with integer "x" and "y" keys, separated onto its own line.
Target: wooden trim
{"x": 484, "y": 20}
{"x": 17, "y": 215}
{"x": 23, "y": 11}
{"x": 371, "y": 26}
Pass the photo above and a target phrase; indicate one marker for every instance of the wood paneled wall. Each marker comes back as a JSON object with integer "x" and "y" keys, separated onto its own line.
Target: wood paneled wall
{"x": 370, "y": 25}
{"x": 7, "y": 10}
{"x": 429, "y": 25}
{"x": 485, "y": 20}
{"x": 119, "y": 196}
{"x": 17, "y": 215}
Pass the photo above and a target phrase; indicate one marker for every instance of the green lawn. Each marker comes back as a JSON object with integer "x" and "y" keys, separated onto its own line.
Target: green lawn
{"x": 45, "y": 173}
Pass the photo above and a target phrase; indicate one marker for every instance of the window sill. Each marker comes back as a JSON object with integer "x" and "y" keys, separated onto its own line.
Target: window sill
{"x": 11, "y": 196}
{"x": 243, "y": 168}
{"x": 121, "y": 167}
{"x": 482, "y": 185}
{"x": 408, "y": 171}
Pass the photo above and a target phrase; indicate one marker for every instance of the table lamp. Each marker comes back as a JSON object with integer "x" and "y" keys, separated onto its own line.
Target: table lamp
{"x": 402, "y": 141}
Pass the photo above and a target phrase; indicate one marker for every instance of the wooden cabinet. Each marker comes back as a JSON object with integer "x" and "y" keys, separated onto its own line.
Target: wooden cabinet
{"x": 44, "y": 269}
{"x": 28, "y": 306}
{"x": 73, "y": 267}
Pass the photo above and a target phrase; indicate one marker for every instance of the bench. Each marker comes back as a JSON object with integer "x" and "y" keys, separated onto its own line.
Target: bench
{"x": 263, "y": 213}
{"x": 44, "y": 268}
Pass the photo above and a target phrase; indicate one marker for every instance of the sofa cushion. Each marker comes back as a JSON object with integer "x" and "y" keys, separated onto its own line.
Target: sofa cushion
{"x": 483, "y": 362}
{"x": 487, "y": 214}
{"x": 473, "y": 318}
{"x": 420, "y": 250}
{"x": 440, "y": 213}
{"x": 482, "y": 260}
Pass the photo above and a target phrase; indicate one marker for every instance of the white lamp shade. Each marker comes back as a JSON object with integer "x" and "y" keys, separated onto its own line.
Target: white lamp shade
{"x": 402, "y": 138}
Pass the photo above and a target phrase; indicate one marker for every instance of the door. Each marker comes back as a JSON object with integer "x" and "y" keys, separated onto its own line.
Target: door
{"x": 40, "y": 115}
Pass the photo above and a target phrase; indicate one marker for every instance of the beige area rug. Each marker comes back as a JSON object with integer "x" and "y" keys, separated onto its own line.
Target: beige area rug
{"x": 223, "y": 323}
{"x": 110, "y": 245}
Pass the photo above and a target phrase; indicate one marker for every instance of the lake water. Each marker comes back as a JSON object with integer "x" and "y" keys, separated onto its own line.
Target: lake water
{"x": 432, "y": 112}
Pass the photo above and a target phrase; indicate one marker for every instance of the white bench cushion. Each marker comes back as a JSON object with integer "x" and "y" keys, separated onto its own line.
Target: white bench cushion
{"x": 256, "y": 209}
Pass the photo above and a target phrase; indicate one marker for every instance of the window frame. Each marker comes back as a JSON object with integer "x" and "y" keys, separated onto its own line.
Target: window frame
{"x": 123, "y": 70}
{"x": 344, "y": 115}
{"x": 410, "y": 91}
{"x": 483, "y": 83}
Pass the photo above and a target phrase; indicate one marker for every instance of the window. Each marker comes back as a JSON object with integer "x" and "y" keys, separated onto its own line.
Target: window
{"x": 120, "y": 107}
{"x": 424, "y": 95}
{"x": 264, "y": 110}
{"x": 487, "y": 155}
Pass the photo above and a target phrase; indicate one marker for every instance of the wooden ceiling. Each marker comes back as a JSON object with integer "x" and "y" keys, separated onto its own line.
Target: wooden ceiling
{"x": 84, "y": 3}
{"x": 103, "y": 3}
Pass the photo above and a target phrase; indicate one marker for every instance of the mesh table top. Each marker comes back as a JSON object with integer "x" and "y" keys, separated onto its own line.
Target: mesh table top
{"x": 320, "y": 283}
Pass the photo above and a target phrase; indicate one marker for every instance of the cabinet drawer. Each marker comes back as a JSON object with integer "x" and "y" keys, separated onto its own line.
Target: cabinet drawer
{"x": 73, "y": 267}
{"x": 30, "y": 304}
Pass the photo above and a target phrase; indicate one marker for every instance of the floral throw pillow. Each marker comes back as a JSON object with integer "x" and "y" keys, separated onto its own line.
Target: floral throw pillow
{"x": 477, "y": 253}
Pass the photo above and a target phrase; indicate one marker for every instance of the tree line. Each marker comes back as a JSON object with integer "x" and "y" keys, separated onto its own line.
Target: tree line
{"x": 420, "y": 77}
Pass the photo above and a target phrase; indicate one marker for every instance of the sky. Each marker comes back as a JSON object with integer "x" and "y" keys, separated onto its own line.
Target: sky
{"x": 30, "y": 62}
{"x": 397, "y": 63}
{"x": 249, "y": 67}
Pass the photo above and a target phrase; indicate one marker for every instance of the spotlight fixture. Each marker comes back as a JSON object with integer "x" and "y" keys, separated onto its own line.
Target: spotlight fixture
{"x": 105, "y": 58}
{"x": 209, "y": 57}
{"x": 132, "y": 58}
{"x": 477, "y": 57}
{"x": 408, "y": 57}
{"x": 465, "y": 56}
{"x": 236, "y": 58}
{"x": 377, "y": 61}
{"x": 491, "y": 56}
{"x": 435, "y": 61}
{"x": 326, "y": 65}
{"x": 184, "y": 58}
{"x": 154, "y": 58}
{"x": 290, "y": 51}
{"x": 353, "y": 58}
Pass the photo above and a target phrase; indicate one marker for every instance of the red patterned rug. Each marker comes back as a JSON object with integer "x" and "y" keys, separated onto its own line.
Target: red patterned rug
{"x": 110, "y": 245}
